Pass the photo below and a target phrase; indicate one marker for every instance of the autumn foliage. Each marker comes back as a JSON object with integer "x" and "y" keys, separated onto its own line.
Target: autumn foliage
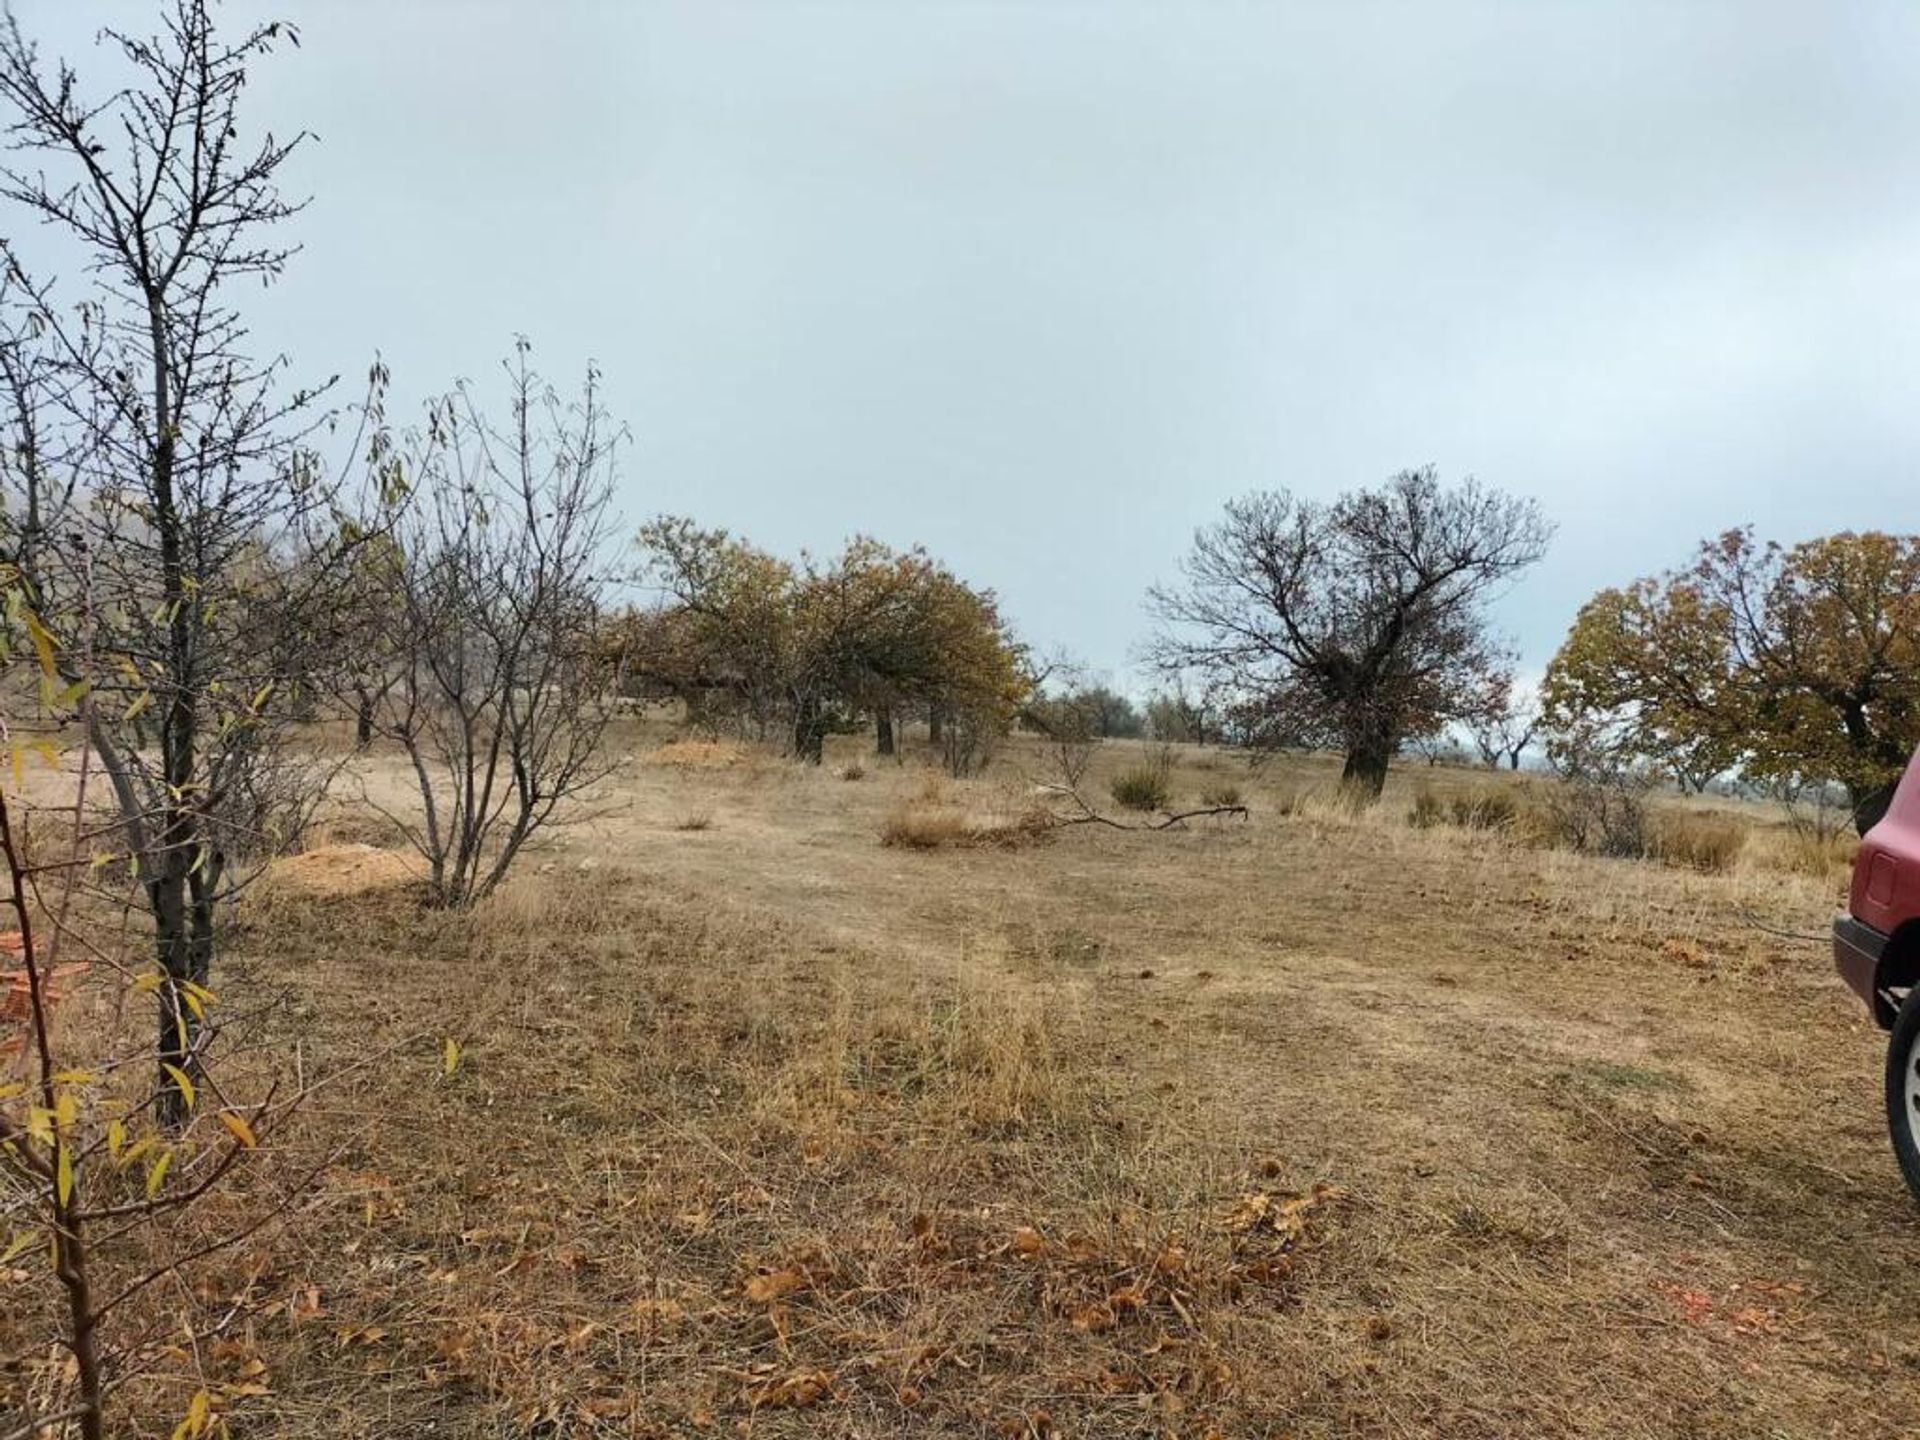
{"x": 803, "y": 648}
{"x": 1793, "y": 663}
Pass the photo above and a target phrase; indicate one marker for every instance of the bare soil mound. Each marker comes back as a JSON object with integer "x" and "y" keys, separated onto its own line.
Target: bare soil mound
{"x": 349, "y": 869}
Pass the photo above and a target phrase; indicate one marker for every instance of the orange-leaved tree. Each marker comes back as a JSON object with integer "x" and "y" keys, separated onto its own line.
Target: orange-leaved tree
{"x": 1797, "y": 663}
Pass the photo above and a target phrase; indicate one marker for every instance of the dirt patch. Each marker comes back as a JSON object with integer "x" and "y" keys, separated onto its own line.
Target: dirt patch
{"x": 349, "y": 869}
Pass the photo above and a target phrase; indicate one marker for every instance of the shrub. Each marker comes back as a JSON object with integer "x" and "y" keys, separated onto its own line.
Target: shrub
{"x": 1596, "y": 818}
{"x": 916, "y": 827}
{"x": 1147, "y": 786}
{"x": 697, "y": 820}
{"x": 1599, "y": 805}
{"x": 1489, "y": 809}
{"x": 853, "y": 771}
{"x": 1143, "y": 787}
{"x": 1220, "y": 792}
{"x": 1804, "y": 853}
{"x": 920, "y": 827}
{"x": 1698, "y": 842}
{"x": 1427, "y": 810}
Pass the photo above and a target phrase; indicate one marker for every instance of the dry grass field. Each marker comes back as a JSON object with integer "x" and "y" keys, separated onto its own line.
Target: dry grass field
{"x": 1314, "y": 1124}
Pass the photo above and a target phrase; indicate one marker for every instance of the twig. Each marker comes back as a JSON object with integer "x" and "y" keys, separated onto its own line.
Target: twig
{"x": 1090, "y": 816}
{"x": 1748, "y": 917}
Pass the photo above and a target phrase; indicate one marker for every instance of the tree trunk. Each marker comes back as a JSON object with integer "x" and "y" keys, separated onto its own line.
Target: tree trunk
{"x": 883, "y": 732}
{"x": 936, "y": 724}
{"x": 167, "y": 897}
{"x": 1365, "y": 773}
{"x": 363, "y": 721}
{"x": 809, "y": 732}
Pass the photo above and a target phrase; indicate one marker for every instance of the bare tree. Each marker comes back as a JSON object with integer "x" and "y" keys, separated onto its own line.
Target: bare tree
{"x": 1503, "y": 731}
{"x": 494, "y": 681}
{"x": 1072, "y": 730}
{"x": 1358, "y": 623}
{"x": 162, "y": 498}
{"x": 1176, "y": 714}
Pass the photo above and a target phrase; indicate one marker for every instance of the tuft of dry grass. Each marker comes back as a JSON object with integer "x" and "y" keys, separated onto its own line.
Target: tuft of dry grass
{"x": 695, "y": 820}
{"x": 1220, "y": 792}
{"x": 1485, "y": 808}
{"x": 1534, "y": 813}
{"x": 1697, "y": 842}
{"x": 1794, "y": 851}
{"x": 1146, "y": 786}
{"x": 918, "y": 825}
{"x": 700, "y": 754}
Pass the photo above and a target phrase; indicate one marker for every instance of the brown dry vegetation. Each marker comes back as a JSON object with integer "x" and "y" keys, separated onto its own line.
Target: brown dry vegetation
{"x": 1317, "y": 1125}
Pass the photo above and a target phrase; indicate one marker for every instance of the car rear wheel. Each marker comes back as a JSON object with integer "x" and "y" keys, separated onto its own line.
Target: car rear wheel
{"x": 1903, "y": 1088}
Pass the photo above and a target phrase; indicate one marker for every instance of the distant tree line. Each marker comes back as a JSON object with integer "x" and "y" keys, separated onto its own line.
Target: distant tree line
{"x": 798, "y": 649}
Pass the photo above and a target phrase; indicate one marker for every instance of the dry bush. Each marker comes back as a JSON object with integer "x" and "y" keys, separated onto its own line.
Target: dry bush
{"x": 1595, "y": 815}
{"x": 1146, "y": 786}
{"x": 1592, "y": 817}
{"x": 1490, "y": 808}
{"x": 1427, "y": 811}
{"x": 1801, "y": 852}
{"x": 1290, "y": 801}
{"x": 1333, "y": 804}
{"x": 923, "y": 826}
{"x": 1220, "y": 792}
{"x": 1140, "y": 789}
{"x": 695, "y": 820}
{"x": 853, "y": 770}
{"x": 1697, "y": 842}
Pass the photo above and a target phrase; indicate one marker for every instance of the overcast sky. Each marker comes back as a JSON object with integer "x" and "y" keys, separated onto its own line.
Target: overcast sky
{"x": 1042, "y": 284}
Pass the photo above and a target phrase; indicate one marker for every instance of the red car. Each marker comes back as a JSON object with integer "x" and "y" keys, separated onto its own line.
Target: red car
{"x": 1876, "y": 947}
